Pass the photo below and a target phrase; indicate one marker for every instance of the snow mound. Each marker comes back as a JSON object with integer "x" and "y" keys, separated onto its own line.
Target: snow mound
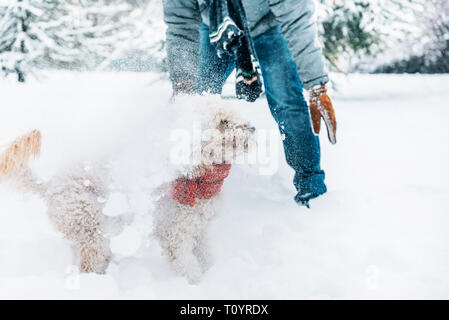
{"x": 379, "y": 232}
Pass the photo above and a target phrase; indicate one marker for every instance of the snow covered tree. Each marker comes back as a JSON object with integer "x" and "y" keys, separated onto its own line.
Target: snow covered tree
{"x": 144, "y": 48}
{"x": 426, "y": 49}
{"x": 360, "y": 30}
{"x": 437, "y": 31}
{"x": 75, "y": 34}
{"x": 345, "y": 28}
{"x": 19, "y": 43}
{"x": 80, "y": 34}
{"x": 99, "y": 27}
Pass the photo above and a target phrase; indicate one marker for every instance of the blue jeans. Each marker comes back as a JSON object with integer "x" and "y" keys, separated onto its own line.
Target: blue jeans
{"x": 285, "y": 99}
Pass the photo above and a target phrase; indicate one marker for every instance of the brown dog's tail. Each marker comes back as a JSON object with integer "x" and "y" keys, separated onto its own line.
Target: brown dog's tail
{"x": 16, "y": 156}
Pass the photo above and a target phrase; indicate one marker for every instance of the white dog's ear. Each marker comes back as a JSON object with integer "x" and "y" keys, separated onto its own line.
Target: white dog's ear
{"x": 18, "y": 153}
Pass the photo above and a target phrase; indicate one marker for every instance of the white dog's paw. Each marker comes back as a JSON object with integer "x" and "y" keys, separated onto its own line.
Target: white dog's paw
{"x": 94, "y": 260}
{"x": 189, "y": 267}
{"x": 195, "y": 275}
{"x": 204, "y": 257}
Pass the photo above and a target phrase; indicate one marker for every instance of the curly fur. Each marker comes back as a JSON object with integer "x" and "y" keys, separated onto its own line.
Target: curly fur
{"x": 77, "y": 196}
{"x": 75, "y": 200}
{"x": 182, "y": 233}
{"x": 182, "y": 230}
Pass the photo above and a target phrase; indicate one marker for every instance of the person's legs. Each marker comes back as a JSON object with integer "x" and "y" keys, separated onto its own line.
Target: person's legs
{"x": 289, "y": 109}
{"x": 212, "y": 70}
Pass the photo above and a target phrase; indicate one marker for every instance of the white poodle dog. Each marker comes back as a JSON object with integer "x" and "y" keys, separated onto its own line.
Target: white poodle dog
{"x": 77, "y": 196}
{"x": 75, "y": 200}
{"x": 181, "y": 224}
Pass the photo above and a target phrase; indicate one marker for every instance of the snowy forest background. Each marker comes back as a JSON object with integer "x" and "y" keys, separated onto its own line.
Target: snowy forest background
{"x": 391, "y": 36}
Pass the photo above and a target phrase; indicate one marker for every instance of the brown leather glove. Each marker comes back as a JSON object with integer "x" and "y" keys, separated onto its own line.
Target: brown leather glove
{"x": 321, "y": 107}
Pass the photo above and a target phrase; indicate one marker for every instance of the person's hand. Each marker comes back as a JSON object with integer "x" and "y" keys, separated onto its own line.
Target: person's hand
{"x": 321, "y": 107}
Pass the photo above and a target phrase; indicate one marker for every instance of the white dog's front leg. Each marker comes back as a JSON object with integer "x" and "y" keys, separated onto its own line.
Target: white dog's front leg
{"x": 202, "y": 252}
{"x": 186, "y": 263}
{"x": 94, "y": 256}
{"x": 205, "y": 215}
{"x": 176, "y": 227}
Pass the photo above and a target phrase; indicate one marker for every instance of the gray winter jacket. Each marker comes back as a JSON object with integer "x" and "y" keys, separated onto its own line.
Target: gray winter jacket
{"x": 184, "y": 17}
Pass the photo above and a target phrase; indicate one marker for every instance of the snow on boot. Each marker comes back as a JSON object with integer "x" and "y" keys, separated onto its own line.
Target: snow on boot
{"x": 302, "y": 201}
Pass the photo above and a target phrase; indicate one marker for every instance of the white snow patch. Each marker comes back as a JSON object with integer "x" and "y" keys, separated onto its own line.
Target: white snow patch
{"x": 127, "y": 243}
{"x": 116, "y": 205}
{"x": 380, "y": 231}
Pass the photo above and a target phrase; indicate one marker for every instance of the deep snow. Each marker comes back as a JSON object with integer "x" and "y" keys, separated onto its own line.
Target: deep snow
{"x": 382, "y": 230}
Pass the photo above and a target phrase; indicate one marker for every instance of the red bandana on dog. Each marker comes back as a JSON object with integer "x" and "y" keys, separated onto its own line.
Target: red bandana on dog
{"x": 185, "y": 191}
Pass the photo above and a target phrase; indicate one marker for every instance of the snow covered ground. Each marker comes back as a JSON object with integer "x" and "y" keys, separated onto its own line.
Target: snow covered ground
{"x": 382, "y": 230}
